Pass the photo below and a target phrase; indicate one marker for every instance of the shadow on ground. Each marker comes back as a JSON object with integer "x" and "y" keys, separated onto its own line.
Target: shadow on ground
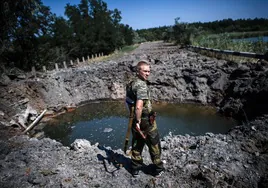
{"x": 120, "y": 161}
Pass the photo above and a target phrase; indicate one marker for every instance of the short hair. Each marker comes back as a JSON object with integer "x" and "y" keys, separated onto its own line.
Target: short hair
{"x": 141, "y": 63}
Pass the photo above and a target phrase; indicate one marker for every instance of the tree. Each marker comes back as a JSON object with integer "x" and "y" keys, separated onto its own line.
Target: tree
{"x": 181, "y": 32}
{"x": 96, "y": 29}
{"x": 24, "y": 23}
{"x": 32, "y": 36}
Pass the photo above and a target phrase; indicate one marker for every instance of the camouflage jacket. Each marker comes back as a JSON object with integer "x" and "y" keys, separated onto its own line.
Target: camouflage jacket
{"x": 141, "y": 91}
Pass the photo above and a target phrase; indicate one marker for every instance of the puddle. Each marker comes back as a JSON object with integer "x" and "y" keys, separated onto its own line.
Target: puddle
{"x": 106, "y": 122}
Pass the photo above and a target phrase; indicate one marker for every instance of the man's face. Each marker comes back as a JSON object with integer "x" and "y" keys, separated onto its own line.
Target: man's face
{"x": 144, "y": 72}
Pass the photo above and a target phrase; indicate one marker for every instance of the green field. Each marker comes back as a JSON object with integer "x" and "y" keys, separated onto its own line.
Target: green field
{"x": 225, "y": 41}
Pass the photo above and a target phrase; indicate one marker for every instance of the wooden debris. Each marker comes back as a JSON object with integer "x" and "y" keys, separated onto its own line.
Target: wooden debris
{"x": 34, "y": 122}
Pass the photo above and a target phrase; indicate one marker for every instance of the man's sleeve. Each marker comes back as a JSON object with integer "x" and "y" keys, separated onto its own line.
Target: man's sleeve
{"x": 142, "y": 91}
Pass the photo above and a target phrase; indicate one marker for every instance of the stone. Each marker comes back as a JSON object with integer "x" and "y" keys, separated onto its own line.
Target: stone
{"x": 81, "y": 145}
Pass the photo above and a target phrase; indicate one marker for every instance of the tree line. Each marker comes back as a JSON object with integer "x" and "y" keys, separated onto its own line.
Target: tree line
{"x": 184, "y": 33}
{"x": 31, "y": 35}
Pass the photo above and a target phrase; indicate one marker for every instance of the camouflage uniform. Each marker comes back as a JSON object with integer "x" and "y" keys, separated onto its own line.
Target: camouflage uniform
{"x": 141, "y": 92}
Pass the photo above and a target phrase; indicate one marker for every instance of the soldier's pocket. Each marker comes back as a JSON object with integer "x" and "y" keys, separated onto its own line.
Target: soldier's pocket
{"x": 154, "y": 137}
{"x": 152, "y": 117}
{"x": 145, "y": 124}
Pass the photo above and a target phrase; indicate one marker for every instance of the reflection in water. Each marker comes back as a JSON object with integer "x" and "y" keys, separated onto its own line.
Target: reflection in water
{"x": 106, "y": 122}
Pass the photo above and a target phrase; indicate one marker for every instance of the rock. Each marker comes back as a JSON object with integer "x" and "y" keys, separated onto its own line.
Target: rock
{"x": 24, "y": 101}
{"x": 4, "y": 80}
{"x": 210, "y": 134}
{"x": 13, "y": 123}
{"x": 39, "y": 135}
{"x": 14, "y": 73}
{"x": 29, "y": 113}
{"x": 81, "y": 145}
{"x": 2, "y": 113}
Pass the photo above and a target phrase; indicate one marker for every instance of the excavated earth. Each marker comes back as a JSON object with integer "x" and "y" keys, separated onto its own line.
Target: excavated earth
{"x": 238, "y": 158}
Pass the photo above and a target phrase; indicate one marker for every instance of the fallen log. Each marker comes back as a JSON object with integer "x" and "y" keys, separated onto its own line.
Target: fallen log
{"x": 34, "y": 122}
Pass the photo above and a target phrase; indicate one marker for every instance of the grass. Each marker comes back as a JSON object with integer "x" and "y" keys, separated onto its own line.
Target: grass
{"x": 113, "y": 56}
{"x": 117, "y": 54}
{"x": 232, "y": 58}
{"x": 225, "y": 41}
{"x": 239, "y": 35}
{"x": 127, "y": 49}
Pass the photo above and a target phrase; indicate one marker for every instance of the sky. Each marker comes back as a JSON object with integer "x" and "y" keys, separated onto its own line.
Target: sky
{"x": 142, "y": 14}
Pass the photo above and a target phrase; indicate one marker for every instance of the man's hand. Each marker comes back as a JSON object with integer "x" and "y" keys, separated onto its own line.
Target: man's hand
{"x": 139, "y": 130}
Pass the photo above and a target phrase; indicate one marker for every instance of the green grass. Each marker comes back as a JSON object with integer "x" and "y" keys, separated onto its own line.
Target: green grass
{"x": 224, "y": 42}
{"x": 117, "y": 53}
{"x": 127, "y": 49}
{"x": 239, "y": 35}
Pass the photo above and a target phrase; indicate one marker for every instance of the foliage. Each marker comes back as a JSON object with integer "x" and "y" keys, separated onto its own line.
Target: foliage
{"x": 137, "y": 39}
{"x": 25, "y": 23}
{"x": 239, "y": 25}
{"x": 181, "y": 32}
{"x": 152, "y": 34}
{"x": 93, "y": 29}
{"x": 32, "y": 36}
{"x": 128, "y": 48}
{"x": 225, "y": 42}
{"x": 189, "y": 33}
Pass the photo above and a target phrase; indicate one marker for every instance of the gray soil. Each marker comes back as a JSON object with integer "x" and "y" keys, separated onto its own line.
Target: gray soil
{"x": 236, "y": 159}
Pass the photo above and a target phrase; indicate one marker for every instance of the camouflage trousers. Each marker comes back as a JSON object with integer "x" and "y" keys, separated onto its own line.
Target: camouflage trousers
{"x": 152, "y": 141}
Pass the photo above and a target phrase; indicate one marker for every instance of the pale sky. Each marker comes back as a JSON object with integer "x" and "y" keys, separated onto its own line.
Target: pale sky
{"x": 140, "y": 14}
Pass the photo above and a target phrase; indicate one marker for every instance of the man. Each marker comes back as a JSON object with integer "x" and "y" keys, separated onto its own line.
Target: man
{"x": 145, "y": 122}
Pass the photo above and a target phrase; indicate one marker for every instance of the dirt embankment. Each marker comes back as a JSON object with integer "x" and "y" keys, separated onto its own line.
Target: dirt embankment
{"x": 237, "y": 159}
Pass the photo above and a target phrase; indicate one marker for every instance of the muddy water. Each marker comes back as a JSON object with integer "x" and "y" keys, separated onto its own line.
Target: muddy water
{"x": 106, "y": 122}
